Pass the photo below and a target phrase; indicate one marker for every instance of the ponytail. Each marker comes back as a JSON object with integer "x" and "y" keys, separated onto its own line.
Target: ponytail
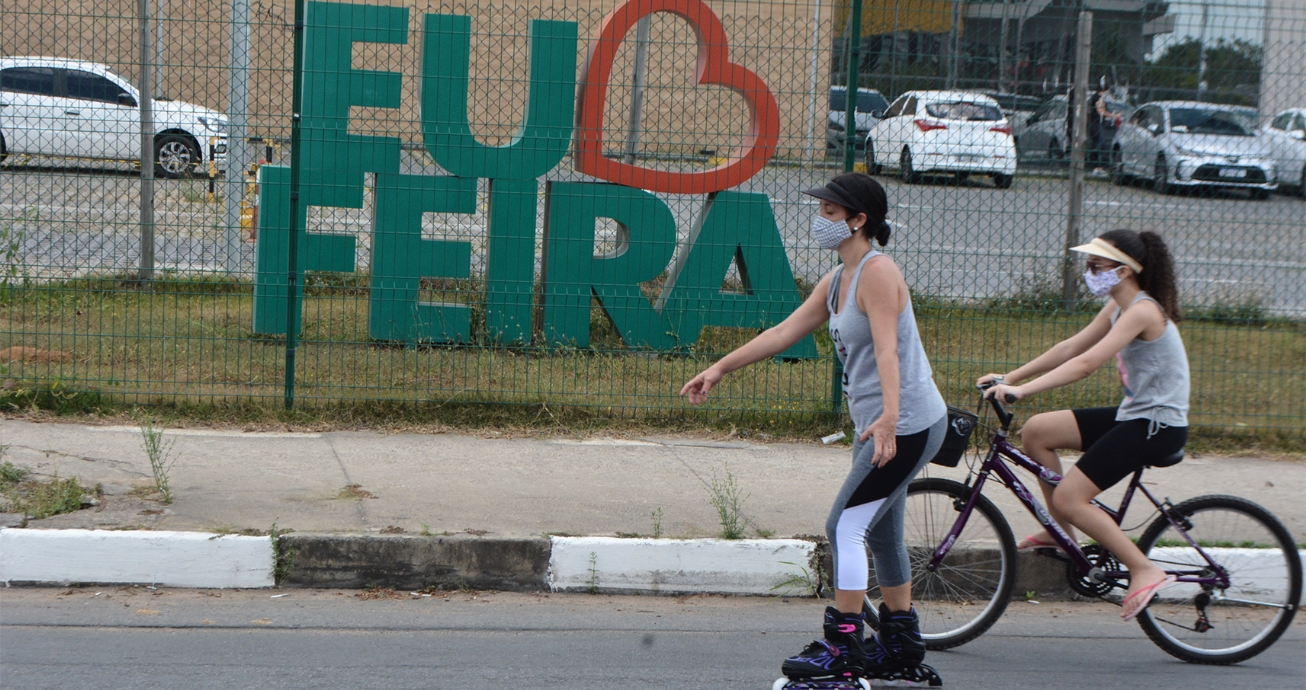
{"x": 1157, "y": 277}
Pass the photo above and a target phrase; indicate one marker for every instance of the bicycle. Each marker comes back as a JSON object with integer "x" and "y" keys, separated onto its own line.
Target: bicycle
{"x": 1239, "y": 572}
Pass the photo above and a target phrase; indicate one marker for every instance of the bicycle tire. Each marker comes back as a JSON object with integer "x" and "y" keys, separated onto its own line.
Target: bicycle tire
{"x": 1263, "y": 564}
{"x": 967, "y": 594}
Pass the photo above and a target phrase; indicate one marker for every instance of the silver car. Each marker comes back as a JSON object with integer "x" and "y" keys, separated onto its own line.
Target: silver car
{"x": 1190, "y": 144}
{"x": 1287, "y": 134}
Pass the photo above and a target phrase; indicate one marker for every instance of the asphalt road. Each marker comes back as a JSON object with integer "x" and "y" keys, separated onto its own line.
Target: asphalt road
{"x": 956, "y": 240}
{"x": 141, "y": 639}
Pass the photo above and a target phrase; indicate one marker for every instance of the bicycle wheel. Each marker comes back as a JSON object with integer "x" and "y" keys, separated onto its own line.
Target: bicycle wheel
{"x": 1264, "y": 570}
{"x": 970, "y": 589}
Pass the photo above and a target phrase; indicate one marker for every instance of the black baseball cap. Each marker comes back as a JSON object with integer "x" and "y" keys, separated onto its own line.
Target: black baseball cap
{"x": 836, "y": 193}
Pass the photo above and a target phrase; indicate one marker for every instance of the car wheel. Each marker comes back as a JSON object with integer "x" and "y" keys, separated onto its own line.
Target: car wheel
{"x": 1002, "y": 181}
{"x": 871, "y": 166}
{"x": 4, "y": 150}
{"x": 1301, "y": 185}
{"x": 1118, "y": 176}
{"x": 175, "y": 156}
{"x": 905, "y": 169}
{"x": 1161, "y": 178}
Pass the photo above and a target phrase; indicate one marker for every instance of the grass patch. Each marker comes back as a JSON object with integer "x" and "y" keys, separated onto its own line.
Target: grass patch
{"x": 37, "y": 499}
{"x": 183, "y": 349}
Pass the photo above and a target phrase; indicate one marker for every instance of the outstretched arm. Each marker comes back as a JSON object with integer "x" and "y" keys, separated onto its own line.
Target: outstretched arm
{"x": 1062, "y": 352}
{"x": 1130, "y": 324}
{"x": 780, "y": 337}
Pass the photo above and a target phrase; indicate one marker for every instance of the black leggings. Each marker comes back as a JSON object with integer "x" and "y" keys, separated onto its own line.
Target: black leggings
{"x": 1114, "y": 450}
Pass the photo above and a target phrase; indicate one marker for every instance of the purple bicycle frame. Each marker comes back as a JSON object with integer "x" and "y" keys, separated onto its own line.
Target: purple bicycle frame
{"x": 1213, "y": 575}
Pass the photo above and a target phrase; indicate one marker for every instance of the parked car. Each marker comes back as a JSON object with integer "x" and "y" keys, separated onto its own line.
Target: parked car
{"x": 1191, "y": 144}
{"x": 71, "y": 109}
{"x": 1045, "y": 136}
{"x": 869, "y": 102}
{"x": 1287, "y": 135}
{"x": 954, "y": 132}
{"x": 1017, "y": 108}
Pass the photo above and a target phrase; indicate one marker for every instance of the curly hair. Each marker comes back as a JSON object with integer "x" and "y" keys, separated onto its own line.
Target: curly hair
{"x": 1157, "y": 277}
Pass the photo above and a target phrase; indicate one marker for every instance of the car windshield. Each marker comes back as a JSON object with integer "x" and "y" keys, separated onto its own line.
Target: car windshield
{"x": 963, "y": 110}
{"x": 1201, "y": 121}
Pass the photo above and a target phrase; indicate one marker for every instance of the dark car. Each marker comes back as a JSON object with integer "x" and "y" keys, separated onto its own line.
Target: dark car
{"x": 869, "y": 101}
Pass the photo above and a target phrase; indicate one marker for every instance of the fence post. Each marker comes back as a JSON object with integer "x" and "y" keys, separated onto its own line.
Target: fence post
{"x": 292, "y": 258}
{"x": 146, "y": 271}
{"x": 1079, "y": 129}
{"x": 851, "y": 91}
{"x": 238, "y": 150}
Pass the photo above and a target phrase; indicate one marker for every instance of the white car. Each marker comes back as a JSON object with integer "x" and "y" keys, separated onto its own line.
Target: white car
{"x": 954, "y": 132}
{"x": 1287, "y": 134}
{"x": 1190, "y": 144}
{"x": 71, "y": 109}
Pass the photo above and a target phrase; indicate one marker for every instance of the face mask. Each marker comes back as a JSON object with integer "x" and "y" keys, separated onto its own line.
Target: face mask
{"x": 829, "y": 234}
{"x": 1100, "y": 284}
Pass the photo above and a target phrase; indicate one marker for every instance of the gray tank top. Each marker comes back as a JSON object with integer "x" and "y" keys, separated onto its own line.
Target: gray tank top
{"x": 920, "y": 405}
{"x": 1154, "y": 374}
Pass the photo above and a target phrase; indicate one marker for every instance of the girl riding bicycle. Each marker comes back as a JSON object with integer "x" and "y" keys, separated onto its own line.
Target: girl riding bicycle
{"x": 1137, "y": 326}
{"x": 899, "y": 416}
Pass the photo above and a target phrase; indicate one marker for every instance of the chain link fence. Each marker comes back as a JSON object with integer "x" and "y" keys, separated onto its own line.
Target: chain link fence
{"x": 583, "y": 205}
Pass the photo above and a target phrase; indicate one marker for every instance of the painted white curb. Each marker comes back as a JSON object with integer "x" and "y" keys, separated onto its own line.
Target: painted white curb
{"x": 175, "y": 559}
{"x": 716, "y": 566}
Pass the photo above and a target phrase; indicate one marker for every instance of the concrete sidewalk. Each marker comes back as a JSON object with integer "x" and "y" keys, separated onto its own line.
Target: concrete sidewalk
{"x": 359, "y": 483}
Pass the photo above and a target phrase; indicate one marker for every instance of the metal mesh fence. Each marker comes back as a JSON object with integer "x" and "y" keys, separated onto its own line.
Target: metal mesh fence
{"x": 584, "y": 204}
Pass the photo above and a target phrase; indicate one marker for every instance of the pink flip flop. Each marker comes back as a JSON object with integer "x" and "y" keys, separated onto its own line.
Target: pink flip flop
{"x": 1146, "y": 593}
{"x": 1033, "y": 543}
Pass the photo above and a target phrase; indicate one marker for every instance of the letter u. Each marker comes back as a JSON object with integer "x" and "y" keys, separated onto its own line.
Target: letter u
{"x": 544, "y": 136}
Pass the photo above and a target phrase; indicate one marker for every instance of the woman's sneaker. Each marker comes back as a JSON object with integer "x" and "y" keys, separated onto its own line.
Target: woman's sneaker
{"x": 897, "y": 645}
{"x": 841, "y": 653}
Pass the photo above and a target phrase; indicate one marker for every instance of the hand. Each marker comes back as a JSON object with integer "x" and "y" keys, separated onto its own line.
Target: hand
{"x": 986, "y": 379}
{"x": 699, "y": 386}
{"x": 885, "y": 431}
{"x": 1002, "y": 390}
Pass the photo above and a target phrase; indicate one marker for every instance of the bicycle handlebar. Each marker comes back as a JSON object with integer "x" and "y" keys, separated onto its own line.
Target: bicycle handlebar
{"x": 1001, "y": 411}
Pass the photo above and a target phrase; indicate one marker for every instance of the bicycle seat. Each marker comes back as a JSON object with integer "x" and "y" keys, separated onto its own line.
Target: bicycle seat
{"x": 1168, "y": 460}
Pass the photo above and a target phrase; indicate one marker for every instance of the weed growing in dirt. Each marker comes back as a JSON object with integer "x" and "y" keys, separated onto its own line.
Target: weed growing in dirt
{"x": 728, "y": 499}
{"x": 162, "y": 458}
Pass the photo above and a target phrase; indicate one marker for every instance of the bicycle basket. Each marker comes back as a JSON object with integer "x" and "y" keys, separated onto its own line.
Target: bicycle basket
{"x": 961, "y": 424}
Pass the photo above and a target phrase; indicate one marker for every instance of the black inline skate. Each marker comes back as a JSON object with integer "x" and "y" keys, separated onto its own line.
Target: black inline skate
{"x": 840, "y": 655}
{"x": 895, "y": 652}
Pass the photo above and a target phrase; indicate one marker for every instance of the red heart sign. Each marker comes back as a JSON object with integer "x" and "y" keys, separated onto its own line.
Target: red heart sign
{"x": 714, "y": 67}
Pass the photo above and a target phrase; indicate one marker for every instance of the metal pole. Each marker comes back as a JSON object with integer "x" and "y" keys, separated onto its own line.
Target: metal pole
{"x": 146, "y": 267}
{"x": 238, "y": 150}
{"x": 1201, "y": 55}
{"x": 809, "y": 141}
{"x": 641, "y": 83}
{"x": 292, "y": 258}
{"x": 159, "y": 15}
{"x": 853, "y": 86}
{"x": 953, "y": 64}
{"x": 893, "y": 70}
{"x": 1002, "y": 48}
{"x": 1074, "y": 214}
{"x": 853, "y": 83}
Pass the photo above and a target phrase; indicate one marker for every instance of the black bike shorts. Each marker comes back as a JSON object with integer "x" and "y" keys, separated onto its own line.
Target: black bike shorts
{"x": 1114, "y": 450}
